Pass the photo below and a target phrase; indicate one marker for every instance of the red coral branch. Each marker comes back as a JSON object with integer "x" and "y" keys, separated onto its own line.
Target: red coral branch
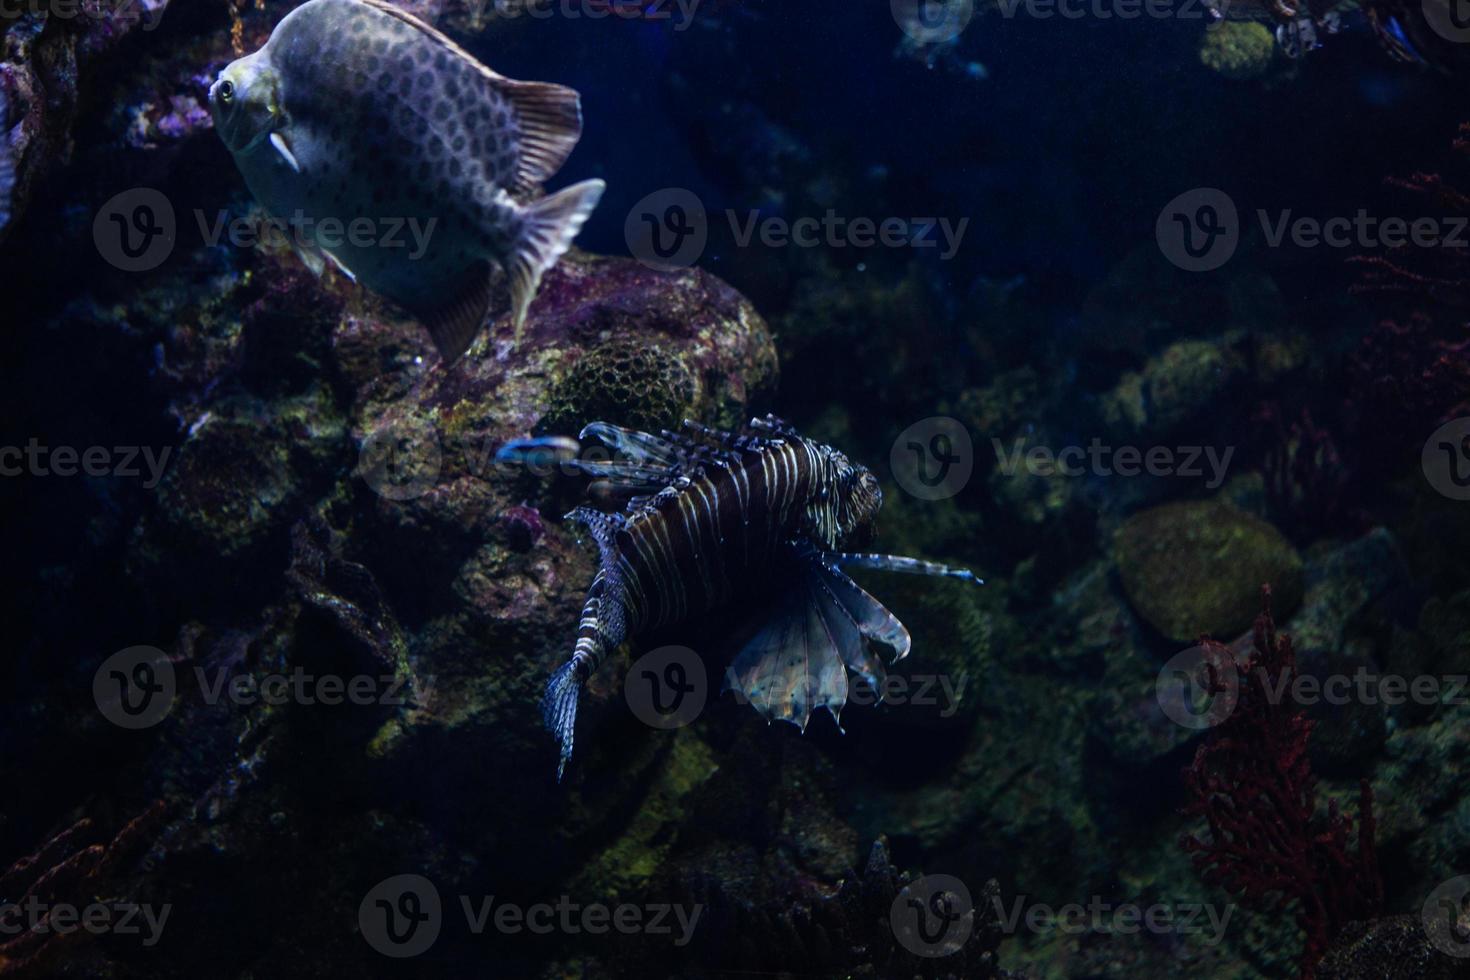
{"x": 1252, "y": 783}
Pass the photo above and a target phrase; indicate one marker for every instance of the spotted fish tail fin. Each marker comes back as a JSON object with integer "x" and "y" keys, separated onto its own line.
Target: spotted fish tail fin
{"x": 550, "y": 225}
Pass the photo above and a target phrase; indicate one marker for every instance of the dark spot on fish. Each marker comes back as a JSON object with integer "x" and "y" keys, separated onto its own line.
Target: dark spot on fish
{"x": 436, "y": 147}
{"x": 405, "y": 65}
{"x": 455, "y": 169}
{"x": 371, "y": 62}
{"x": 381, "y": 45}
{"x": 458, "y": 144}
{"x": 475, "y": 146}
{"x": 441, "y": 61}
{"x": 502, "y": 118}
{"x": 441, "y": 111}
{"x": 405, "y": 85}
{"x": 421, "y": 54}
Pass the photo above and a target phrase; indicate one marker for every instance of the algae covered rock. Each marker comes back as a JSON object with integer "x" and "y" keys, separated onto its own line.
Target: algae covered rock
{"x": 1197, "y": 567}
{"x": 1237, "y": 49}
{"x": 624, "y": 382}
{"x": 1174, "y": 388}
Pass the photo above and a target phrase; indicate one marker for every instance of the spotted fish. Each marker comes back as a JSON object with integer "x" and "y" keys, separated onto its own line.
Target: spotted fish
{"x": 711, "y": 517}
{"x": 356, "y": 110}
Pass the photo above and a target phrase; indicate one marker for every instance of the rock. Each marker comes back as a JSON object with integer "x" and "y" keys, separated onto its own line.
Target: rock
{"x": 1197, "y": 567}
{"x": 1420, "y": 805}
{"x": 1173, "y": 389}
{"x": 1392, "y": 948}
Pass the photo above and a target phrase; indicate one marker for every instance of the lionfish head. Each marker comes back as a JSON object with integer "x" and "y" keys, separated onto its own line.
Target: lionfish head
{"x": 858, "y": 497}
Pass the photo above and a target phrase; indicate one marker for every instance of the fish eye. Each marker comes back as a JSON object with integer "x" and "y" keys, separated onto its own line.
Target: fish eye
{"x": 226, "y": 90}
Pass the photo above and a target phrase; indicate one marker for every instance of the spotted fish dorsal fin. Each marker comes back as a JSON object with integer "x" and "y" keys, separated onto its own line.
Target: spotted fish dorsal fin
{"x": 550, "y": 115}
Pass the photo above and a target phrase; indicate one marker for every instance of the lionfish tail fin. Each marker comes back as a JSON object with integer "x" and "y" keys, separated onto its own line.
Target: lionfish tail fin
{"x": 559, "y": 709}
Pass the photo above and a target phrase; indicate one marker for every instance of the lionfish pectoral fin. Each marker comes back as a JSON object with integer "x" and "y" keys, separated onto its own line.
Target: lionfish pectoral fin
{"x": 873, "y": 621}
{"x": 898, "y": 563}
{"x": 797, "y": 661}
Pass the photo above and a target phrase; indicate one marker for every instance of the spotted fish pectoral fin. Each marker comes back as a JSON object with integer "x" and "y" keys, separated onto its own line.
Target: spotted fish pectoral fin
{"x": 284, "y": 149}
{"x": 311, "y": 257}
{"x": 549, "y": 226}
{"x": 454, "y": 323}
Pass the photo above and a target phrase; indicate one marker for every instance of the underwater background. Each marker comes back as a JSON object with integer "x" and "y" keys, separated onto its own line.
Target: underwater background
{"x": 1171, "y": 306}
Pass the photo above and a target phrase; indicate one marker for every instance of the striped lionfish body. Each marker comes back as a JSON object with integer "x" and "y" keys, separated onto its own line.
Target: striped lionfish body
{"x": 709, "y": 518}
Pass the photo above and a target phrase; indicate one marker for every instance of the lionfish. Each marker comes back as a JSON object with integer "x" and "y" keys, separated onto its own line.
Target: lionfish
{"x": 710, "y": 517}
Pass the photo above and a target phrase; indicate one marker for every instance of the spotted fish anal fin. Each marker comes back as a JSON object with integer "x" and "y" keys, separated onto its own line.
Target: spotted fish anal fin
{"x": 454, "y": 324}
